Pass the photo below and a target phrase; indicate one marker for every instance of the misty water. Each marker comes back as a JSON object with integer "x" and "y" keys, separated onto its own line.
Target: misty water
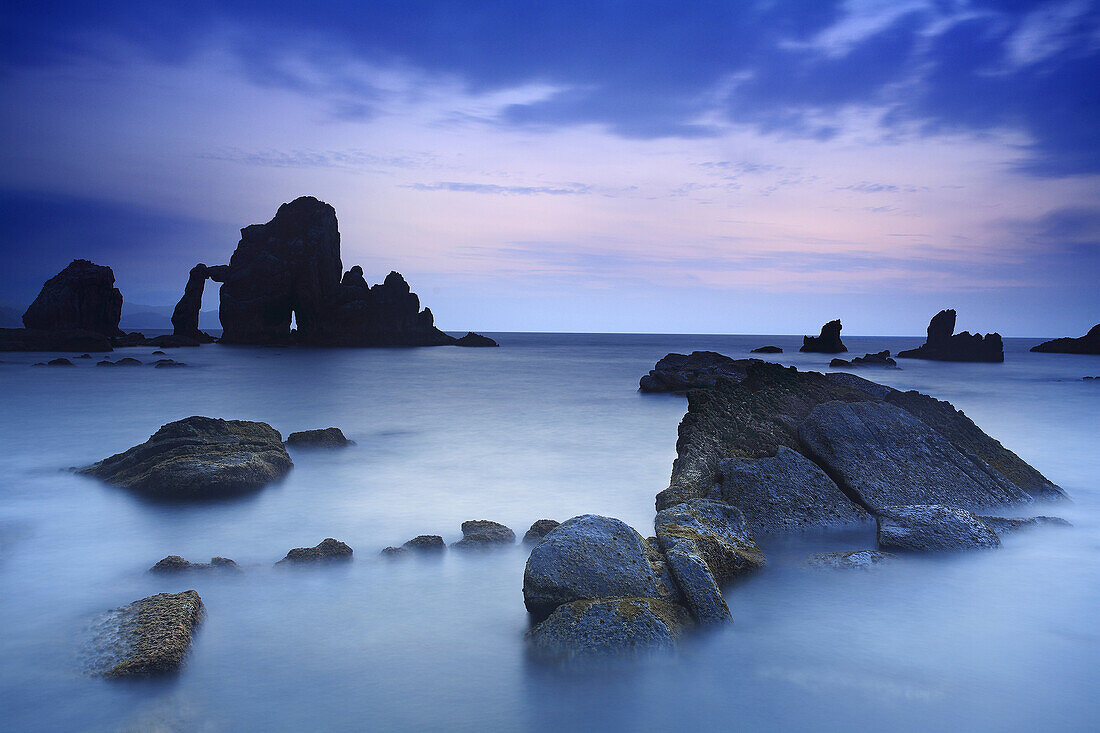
{"x": 546, "y": 426}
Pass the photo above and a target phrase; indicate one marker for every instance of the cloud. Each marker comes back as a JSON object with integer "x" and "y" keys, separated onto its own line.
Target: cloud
{"x": 491, "y": 188}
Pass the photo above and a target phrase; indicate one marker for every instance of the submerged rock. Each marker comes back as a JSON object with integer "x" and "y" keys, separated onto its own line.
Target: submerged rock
{"x": 426, "y": 543}
{"x": 176, "y": 564}
{"x": 481, "y": 533}
{"x": 881, "y": 455}
{"x": 932, "y": 528}
{"x": 715, "y": 531}
{"x": 767, "y": 350}
{"x": 168, "y": 364}
{"x": 394, "y": 552}
{"x": 699, "y": 370}
{"x": 1087, "y": 344}
{"x": 945, "y": 345}
{"x": 784, "y": 493}
{"x": 475, "y": 339}
{"x": 588, "y": 558}
{"x": 851, "y": 560}
{"x": 151, "y": 636}
{"x": 608, "y": 627}
{"x": 827, "y": 342}
{"x": 539, "y": 529}
{"x": 326, "y": 550}
{"x": 320, "y": 438}
{"x": 197, "y": 458}
{"x": 1011, "y": 524}
{"x": 83, "y": 296}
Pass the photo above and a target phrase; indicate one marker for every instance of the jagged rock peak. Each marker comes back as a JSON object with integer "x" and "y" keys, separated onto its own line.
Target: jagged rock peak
{"x": 827, "y": 342}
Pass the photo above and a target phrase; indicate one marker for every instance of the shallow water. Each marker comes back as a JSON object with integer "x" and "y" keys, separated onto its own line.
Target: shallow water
{"x": 546, "y": 426}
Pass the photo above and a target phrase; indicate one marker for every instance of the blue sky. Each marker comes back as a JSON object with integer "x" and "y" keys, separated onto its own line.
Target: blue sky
{"x": 591, "y": 166}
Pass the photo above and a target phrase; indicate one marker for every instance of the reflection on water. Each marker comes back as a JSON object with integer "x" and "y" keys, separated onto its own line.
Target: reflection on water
{"x": 546, "y": 426}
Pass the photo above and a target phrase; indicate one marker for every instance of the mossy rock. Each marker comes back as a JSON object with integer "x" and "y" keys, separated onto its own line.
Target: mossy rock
{"x": 609, "y": 627}
{"x": 154, "y": 634}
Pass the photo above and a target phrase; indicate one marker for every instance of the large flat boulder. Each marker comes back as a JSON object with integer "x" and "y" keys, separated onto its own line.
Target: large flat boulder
{"x": 881, "y": 455}
{"x": 608, "y": 627}
{"x": 588, "y": 558}
{"x": 715, "y": 531}
{"x": 698, "y": 370}
{"x": 784, "y": 493}
{"x": 198, "y": 458}
{"x": 148, "y": 637}
{"x": 932, "y": 528}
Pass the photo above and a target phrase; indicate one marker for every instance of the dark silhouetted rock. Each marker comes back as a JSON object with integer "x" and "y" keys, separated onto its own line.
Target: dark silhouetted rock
{"x": 699, "y": 370}
{"x": 784, "y": 493}
{"x": 882, "y": 455}
{"x": 827, "y": 342}
{"x": 83, "y": 297}
{"x": 326, "y": 550}
{"x": 168, "y": 363}
{"x": 768, "y": 350}
{"x": 387, "y": 314}
{"x": 60, "y": 361}
{"x": 539, "y": 529}
{"x": 475, "y": 339}
{"x": 588, "y": 558}
{"x": 197, "y": 458}
{"x": 319, "y": 438}
{"x": 84, "y": 356}
{"x": 715, "y": 531}
{"x": 426, "y": 543}
{"x": 176, "y": 564}
{"x": 151, "y": 636}
{"x": 851, "y": 560}
{"x": 945, "y": 345}
{"x": 353, "y": 278}
{"x": 1087, "y": 344}
{"x": 881, "y": 359}
{"x": 127, "y": 361}
{"x": 134, "y": 338}
{"x": 105, "y": 363}
{"x": 32, "y": 339}
{"x": 481, "y": 533}
{"x": 159, "y": 353}
{"x": 1001, "y": 525}
{"x": 932, "y": 528}
{"x": 608, "y": 627}
{"x": 185, "y": 316}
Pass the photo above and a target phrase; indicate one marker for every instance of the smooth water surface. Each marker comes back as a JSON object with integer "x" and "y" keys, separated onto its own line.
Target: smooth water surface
{"x": 546, "y": 426}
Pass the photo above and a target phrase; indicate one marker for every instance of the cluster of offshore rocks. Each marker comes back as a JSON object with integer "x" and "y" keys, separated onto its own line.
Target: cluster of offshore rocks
{"x": 942, "y": 344}
{"x": 766, "y": 450}
{"x": 286, "y": 270}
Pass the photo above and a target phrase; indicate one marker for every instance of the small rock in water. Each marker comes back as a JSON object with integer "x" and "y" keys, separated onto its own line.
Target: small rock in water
{"x": 163, "y": 363}
{"x": 84, "y": 356}
{"x": 851, "y": 560}
{"x": 768, "y": 350}
{"x": 105, "y": 362}
{"x": 326, "y": 550}
{"x": 932, "y": 528}
{"x": 60, "y": 361}
{"x": 176, "y": 564}
{"x": 481, "y": 533}
{"x": 150, "y": 636}
{"x": 127, "y": 361}
{"x": 158, "y": 352}
{"x": 475, "y": 339}
{"x": 395, "y": 551}
{"x": 426, "y": 543}
{"x": 320, "y": 438}
{"x": 539, "y": 529}
{"x": 827, "y": 342}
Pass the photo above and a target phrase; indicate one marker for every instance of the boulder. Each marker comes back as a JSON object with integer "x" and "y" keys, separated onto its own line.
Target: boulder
{"x": 715, "y": 531}
{"x": 483, "y": 534}
{"x": 475, "y": 339}
{"x": 327, "y": 550}
{"x": 767, "y": 350}
{"x": 827, "y": 342}
{"x": 1087, "y": 344}
{"x": 105, "y": 363}
{"x": 168, "y": 363}
{"x": 84, "y": 356}
{"x": 697, "y": 585}
{"x": 151, "y": 636}
{"x": 31, "y": 339}
{"x": 881, "y": 455}
{"x": 426, "y": 543}
{"x": 588, "y": 558}
{"x": 60, "y": 361}
{"x": 539, "y": 529}
{"x": 394, "y": 552}
{"x": 945, "y": 345}
{"x": 185, "y": 316}
{"x": 197, "y": 458}
{"x": 320, "y": 438}
{"x": 699, "y": 370}
{"x": 881, "y": 359}
{"x": 83, "y": 296}
{"x": 1000, "y": 525}
{"x": 176, "y": 564}
{"x": 970, "y": 440}
{"x": 127, "y": 361}
{"x": 932, "y": 528}
{"x": 786, "y": 492}
{"x": 608, "y": 627}
{"x": 851, "y": 560}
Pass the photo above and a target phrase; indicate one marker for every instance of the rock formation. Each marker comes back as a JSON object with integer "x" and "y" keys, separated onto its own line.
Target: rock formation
{"x": 932, "y": 528}
{"x": 199, "y": 458}
{"x": 83, "y": 297}
{"x": 319, "y": 438}
{"x": 327, "y": 550}
{"x": 539, "y": 529}
{"x": 185, "y": 317}
{"x": 943, "y": 344}
{"x": 475, "y": 339}
{"x": 148, "y": 637}
{"x": 768, "y": 350}
{"x": 608, "y": 627}
{"x": 176, "y": 564}
{"x": 700, "y": 369}
{"x": 1087, "y": 344}
{"x": 881, "y": 359}
{"x": 426, "y": 543}
{"x": 827, "y": 342}
{"x": 483, "y": 534}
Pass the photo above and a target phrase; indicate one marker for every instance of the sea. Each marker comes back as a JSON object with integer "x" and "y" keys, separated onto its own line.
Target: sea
{"x": 548, "y": 425}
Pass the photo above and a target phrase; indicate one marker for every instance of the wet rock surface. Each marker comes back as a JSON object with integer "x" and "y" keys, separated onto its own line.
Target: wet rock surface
{"x": 826, "y": 342}
{"x": 1087, "y": 344}
{"x": 945, "y": 345}
{"x": 608, "y": 627}
{"x": 932, "y": 528}
{"x": 149, "y": 637}
{"x": 698, "y": 587}
{"x": 327, "y": 550}
{"x": 700, "y": 369}
{"x": 713, "y": 530}
{"x": 198, "y": 458}
{"x": 319, "y": 438}
{"x": 484, "y": 534}
{"x": 1000, "y": 525}
{"x": 539, "y": 529}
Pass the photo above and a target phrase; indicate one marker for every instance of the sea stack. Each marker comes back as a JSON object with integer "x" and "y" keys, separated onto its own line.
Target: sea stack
{"x": 185, "y": 317}
{"x": 945, "y": 345}
{"x": 827, "y": 342}
{"x": 1087, "y": 344}
{"x": 83, "y": 296}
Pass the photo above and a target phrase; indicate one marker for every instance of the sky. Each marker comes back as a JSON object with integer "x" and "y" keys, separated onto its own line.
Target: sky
{"x": 671, "y": 167}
